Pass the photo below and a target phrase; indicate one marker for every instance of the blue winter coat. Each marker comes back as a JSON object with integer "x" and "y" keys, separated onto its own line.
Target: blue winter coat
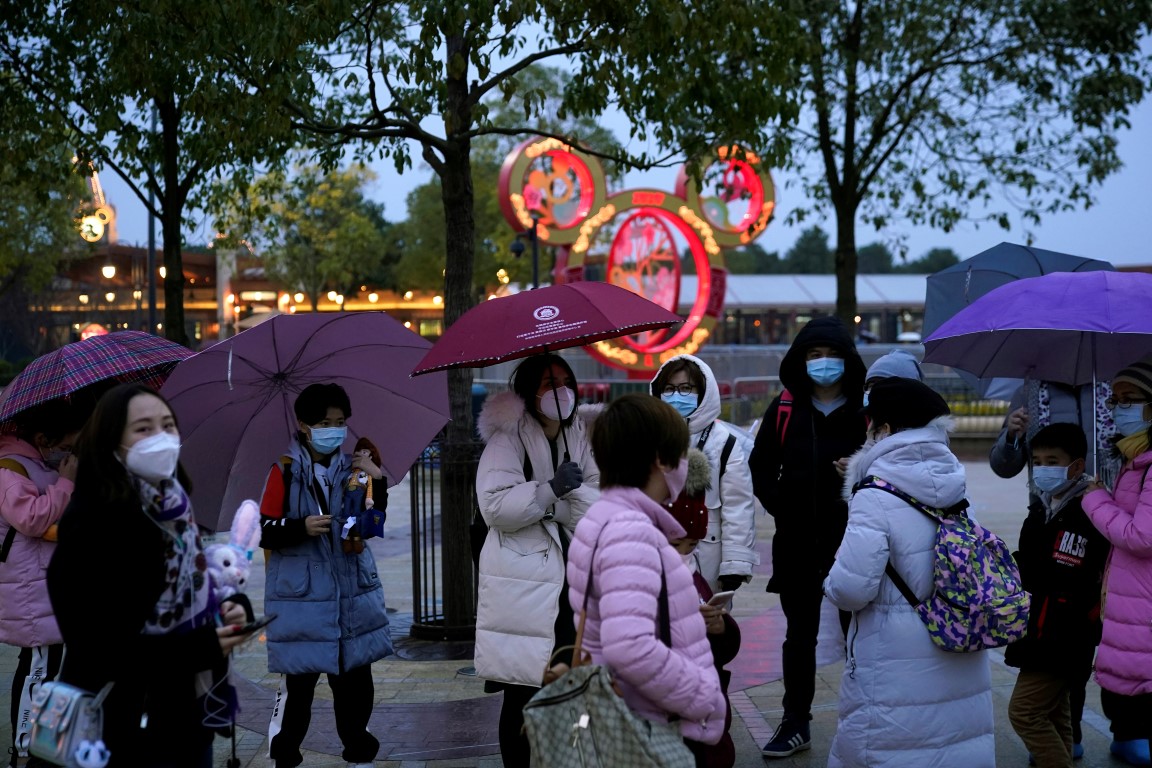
{"x": 329, "y": 604}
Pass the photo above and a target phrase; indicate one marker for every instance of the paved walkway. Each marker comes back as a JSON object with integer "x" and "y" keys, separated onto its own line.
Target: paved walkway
{"x": 430, "y": 713}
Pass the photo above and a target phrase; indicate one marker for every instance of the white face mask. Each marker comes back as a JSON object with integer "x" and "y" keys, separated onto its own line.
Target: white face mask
{"x": 154, "y": 458}
{"x": 547, "y": 404}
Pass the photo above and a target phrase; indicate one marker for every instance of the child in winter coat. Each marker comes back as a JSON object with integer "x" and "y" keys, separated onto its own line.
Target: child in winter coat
{"x": 1061, "y": 560}
{"x": 691, "y": 510}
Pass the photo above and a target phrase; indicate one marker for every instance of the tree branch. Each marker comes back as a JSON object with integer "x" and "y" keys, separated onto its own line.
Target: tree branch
{"x": 479, "y": 90}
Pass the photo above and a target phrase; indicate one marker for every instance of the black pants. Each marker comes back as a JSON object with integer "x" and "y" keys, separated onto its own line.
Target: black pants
{"x": 1077, "y": 695}
{"x": 23, "y": 667}
{"x": 1131, "y": 716}
{"x": 514, "y": 750}
{"x": 352, "y": 700}
{"x": 801, "y": 608}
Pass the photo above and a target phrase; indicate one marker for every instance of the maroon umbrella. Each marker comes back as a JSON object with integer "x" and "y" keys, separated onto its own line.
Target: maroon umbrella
{"x": 543, "y": 320}
{"x": 122, "y": 356}
{"x": 235, "y": 400}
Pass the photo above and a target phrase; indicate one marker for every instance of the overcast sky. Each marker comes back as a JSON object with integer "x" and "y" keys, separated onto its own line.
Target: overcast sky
{"x": 1115, "y": 229}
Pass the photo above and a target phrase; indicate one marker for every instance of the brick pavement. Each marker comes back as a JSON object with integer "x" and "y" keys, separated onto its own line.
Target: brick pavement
{"x": 430, "y": 714}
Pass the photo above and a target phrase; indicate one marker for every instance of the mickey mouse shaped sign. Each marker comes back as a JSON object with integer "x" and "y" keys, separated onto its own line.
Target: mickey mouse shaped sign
{"x": 561, "y": 191}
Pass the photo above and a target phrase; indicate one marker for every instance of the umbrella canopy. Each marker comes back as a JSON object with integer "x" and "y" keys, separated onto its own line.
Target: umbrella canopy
{"x": 1069, "y": 327}
{"x": 122, "y": 356}
{"x": 543, "y": 320}
{"x": 234, "y": 400}
{"x": 957, "y": 286}
{"x": 953, "y": 288}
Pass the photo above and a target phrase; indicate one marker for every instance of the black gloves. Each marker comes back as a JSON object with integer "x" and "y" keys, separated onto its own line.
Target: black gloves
{"x": 730, "y": 582}
{"x": 568, "y": 478}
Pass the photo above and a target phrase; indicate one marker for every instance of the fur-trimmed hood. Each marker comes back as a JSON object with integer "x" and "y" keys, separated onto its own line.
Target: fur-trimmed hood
{"x": 504, "y": 410}
{"x": 918, "y": 461}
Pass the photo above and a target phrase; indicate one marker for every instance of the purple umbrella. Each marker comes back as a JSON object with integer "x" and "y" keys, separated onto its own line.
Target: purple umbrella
{"x": 123, "y": 356}
{"x": 1070, "y": 327}
{"x": 234, "y": 400}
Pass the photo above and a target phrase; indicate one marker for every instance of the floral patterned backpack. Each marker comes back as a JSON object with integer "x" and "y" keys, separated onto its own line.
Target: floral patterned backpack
{"x": 978, "y": 600}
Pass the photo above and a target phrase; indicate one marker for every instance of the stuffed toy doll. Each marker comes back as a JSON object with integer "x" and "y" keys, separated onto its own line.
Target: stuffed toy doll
{"x": 229, "y": 564}
{"x": 358, "y": 498}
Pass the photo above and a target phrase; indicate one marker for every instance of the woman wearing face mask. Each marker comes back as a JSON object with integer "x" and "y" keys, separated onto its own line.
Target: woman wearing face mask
{"x": 130, "y": 588}
{"x": 536, "y": 479}
{"x": 37, "y": 471}
{"x": 625, "y": 573}
{"x": 1124, "y": 661}
{"x": 903, "y": 701}
{"x": 727, "y": 552}
{"x": 329, "y": 602}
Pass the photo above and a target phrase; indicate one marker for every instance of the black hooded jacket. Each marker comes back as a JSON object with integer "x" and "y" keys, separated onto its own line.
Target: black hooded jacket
{"x": 797, "y": 481}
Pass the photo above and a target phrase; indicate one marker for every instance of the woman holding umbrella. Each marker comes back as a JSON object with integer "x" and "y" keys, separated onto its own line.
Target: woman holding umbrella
{"x": 1124, "y": 661}
{"x": 535, "y": 481}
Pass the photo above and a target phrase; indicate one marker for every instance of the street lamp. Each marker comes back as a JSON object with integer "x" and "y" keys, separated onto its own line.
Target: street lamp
{"x": 517, "y": 247}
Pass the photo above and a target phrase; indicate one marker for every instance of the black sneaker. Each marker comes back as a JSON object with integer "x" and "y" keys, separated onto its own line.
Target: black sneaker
{"x": 789, "y": 739}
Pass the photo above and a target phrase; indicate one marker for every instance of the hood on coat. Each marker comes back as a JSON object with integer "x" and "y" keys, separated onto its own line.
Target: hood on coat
{"x": 822, "y": 332}
{"x": 917, "y": 461}
{"x": 10, "y": 445}
{"x": 502, "y": 413}
{"x": 709, "y": 408}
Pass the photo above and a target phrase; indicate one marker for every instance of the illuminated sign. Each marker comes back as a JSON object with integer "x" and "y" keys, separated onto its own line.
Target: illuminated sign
{"x": 562, "y": 190}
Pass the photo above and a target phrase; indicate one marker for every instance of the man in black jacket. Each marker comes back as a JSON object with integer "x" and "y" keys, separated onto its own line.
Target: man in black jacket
{"x": 1061, "y": 559}
{"x": 797, "y": 466}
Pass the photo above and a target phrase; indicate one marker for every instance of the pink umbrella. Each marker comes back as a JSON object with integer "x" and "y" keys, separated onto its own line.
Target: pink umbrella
{"x": 234, "y": 400}
{"x": 543, "y": 320}
{"x": 123, "y": 356}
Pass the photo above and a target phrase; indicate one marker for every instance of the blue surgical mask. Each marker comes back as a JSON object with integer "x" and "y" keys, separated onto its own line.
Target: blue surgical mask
{"x": 684, "y": 404}
{"x": 328, "y": 440}
{"x": 825, "y": 371}
{"x": 865, "y": 401}
{"x": 1049, "y": 479}
{"x": 1130, "y": 420}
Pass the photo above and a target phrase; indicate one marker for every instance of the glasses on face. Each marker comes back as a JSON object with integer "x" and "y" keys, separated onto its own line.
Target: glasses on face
{"x": 1125, "y": 404}
{"x": 681, "y": 389}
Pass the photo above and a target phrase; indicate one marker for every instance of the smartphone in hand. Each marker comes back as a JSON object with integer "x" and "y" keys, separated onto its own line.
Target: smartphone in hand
{"x": 721, "y": 598}
{"x": 252, "y": 626}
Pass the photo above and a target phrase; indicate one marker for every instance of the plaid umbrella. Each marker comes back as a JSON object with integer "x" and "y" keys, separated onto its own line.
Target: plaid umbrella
{"x": 123, "y": 356}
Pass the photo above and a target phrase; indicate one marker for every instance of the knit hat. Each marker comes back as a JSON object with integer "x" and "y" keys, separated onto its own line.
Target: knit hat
{"x": 897, "y": 363}
{"x": 904, "y": 404}
{"x": 1138, "y": 375}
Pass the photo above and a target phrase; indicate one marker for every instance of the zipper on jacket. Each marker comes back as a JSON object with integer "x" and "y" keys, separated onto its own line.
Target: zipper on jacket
{"x": 852, "y": 646}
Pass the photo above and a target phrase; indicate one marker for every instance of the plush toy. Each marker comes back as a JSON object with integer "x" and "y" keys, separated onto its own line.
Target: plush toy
{"x": 229, "y": 564}
{"x": 92, "y": 754}
{"x": 358, "y": 501}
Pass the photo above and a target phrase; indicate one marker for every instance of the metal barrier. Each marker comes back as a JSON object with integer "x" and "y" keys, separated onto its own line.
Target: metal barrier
{"x": 426, "y": 493}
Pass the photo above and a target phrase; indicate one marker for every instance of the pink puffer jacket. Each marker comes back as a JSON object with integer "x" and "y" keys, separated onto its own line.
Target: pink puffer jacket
{"x": 622, "y": 631}
{"x": 30, "y": 505}
{"x": 1124, "y": 661}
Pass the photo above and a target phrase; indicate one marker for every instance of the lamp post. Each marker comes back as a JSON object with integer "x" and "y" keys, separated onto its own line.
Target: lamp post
{"x": 517, "y": 247}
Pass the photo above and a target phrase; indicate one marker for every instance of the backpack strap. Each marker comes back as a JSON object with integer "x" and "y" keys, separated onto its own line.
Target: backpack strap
{"x": 10, "y": 536}
{"x": 872, "y": 481}
{"x": 729, "y": 444}
{"x": 783, "y": 415}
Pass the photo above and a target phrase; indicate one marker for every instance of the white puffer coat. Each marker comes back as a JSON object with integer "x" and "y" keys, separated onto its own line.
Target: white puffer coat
{"x": 522, "y": 562}
{"x": 903, "y": 701}
{"x": 730, "y": 546}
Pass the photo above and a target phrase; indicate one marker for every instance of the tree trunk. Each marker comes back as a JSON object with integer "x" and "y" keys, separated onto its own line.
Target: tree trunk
{"x": 172, "y": 202}
{"x": 458, "y": 462}
{"x": 846, "y": 266}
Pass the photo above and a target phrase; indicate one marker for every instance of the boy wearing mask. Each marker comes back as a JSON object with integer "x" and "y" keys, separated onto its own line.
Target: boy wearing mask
{"x": 806, "y": 437}
{"x": 1061, "y": 560}
{"x": 329, "y": 602}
